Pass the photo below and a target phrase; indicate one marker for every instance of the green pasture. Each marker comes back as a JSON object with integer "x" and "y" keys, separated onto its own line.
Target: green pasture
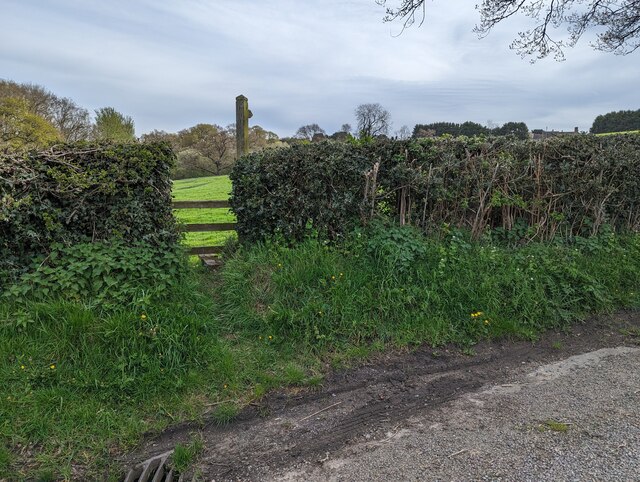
{"x": 212, "y": 188}
{"x": 616, "y": 133}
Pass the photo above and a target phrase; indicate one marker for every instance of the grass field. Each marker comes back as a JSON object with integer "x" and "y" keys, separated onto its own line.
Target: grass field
{"x": 616, "y": 133}
{"x": 204, "y": 189}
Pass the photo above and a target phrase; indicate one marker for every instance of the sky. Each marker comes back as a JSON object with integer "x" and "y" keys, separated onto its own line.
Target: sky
{"x": 171, "y": 64}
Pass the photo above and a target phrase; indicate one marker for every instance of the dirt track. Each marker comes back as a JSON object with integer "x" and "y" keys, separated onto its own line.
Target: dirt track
{"x": 295, "y": 435}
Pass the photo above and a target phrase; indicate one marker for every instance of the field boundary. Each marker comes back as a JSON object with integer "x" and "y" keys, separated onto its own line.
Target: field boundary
{"x": 204, "y": 227}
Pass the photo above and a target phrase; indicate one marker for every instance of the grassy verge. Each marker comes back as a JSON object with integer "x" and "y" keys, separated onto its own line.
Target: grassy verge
{"x": 81, "y": 383}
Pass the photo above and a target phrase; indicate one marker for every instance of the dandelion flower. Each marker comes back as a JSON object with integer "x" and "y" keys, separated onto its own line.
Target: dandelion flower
{"x": 270, "y": 337}
{"x": 52, "y": 366}
{"x": 22, "y": 367}
{"x": 333, "y": 278}
{"x": 143, "y": 317}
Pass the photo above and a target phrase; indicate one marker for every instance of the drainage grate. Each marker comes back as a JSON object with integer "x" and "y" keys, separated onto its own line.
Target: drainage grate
{"x": 154, "y": 469}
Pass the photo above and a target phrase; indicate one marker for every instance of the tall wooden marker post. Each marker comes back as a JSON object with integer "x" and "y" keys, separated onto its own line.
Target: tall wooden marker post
{"x": 243, "y": 114}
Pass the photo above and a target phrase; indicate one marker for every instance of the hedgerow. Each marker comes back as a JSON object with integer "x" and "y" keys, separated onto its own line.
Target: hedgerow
{"x": 79, "y": 193}
{"x": 520, "y": 190}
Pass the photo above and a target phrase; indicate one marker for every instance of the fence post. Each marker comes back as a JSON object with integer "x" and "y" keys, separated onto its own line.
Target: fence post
{"x": 243, "y": 114}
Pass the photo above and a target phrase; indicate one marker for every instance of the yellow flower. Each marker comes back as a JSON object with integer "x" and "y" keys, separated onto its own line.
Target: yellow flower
{"x": 341, "y": 275}
{"x": 143, "y": 317}
{"x": 225, "y": 386}
{"x": 52, "y": 366}
{"x": 333, "y": 278}
{"x": 270, "y": 337}
{"x": 486, "y": 322}
{"x": 22, "y": 367}
{"x": 279, "y": 265}
{"x": 259, "y": 338}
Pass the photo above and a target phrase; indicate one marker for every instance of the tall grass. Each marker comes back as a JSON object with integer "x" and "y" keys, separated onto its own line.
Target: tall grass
{"x": 428, "y": 291}
{"x": 81, "y": 383}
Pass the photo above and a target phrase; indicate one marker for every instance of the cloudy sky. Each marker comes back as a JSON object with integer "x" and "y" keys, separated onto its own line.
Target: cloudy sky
{"x": 171, "y": 64}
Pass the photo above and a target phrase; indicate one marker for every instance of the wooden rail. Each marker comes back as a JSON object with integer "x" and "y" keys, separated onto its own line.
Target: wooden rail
{"x": 200, "y": 204}
{"x": 203, "y": 251}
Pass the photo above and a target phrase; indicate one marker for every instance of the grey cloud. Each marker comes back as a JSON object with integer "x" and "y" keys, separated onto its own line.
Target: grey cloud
{"x": 173, "y": 64}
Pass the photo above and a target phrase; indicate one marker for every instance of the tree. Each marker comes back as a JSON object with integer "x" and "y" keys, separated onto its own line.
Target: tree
{"x": 307, "y": 132}
{"x": 517, "y": 129}
{"x": 260, "y": 138}
{"x": 20, "y": 128}
{"x": 213, "y": 142}
{"x": 471, "y": 129}
{"x": 373, "y": 120}
{"x": 617, "y": 22}
{"x": 403, "y": 133}
{"x": 162, "y": 136}
{"x": 72, "y": 121}
{"x": 624, "y": 120}
{"x": 111, "y": 125}
{"x": 346, "y": 128}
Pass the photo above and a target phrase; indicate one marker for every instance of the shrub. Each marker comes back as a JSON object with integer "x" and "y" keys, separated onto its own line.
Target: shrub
{"x": 107, "y": 273}
{"x": 78, "y": 193}
{"x": 526, "y": 190}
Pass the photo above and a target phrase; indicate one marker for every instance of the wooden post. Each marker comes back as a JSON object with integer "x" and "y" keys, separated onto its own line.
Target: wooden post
{"x": 243, "y": 114}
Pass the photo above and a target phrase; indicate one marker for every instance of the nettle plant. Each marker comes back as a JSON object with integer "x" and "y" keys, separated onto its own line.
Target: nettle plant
{"x": 108, "y": 274}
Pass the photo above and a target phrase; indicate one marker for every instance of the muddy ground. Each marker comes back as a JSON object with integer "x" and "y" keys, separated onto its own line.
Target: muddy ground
{"x": 290, "y": 429}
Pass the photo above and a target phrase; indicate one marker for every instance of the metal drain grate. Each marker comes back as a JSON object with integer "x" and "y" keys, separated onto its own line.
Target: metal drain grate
{"x": 154, "y": 469}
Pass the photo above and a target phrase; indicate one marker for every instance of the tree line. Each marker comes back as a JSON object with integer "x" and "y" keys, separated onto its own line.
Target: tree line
{"x": 620, "y": 121}
{"x": 33, "y": 117}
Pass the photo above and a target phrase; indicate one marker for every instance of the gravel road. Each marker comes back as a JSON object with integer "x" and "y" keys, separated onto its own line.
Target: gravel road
{"x": 576, "y": 419}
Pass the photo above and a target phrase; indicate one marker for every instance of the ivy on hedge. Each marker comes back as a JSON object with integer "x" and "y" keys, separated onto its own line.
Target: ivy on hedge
{"x": 83, "y": 192}
{"x": 564, "y": 186}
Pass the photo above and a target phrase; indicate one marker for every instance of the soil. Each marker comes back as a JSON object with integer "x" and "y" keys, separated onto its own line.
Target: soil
{"x": 365, "y": 403}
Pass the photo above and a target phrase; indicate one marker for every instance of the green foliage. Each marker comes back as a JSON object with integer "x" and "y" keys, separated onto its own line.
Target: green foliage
{"x": 185, "y": 455}
{"x": 80, "y": 193}
{"x": 470, "y": 129}
{"x": 22, "y": 129}
{"x": 292, "y": 191}
{"x": 105, "y": 273}
{"x": 437, "y": 129}
{"x": 400, "y": 288}
{"x": 529, "y": 190}
{"x": 400, "y": 248}
{"x": 119, "y": 372}
{"x": 70, "y": 121}
{"x": 278, "y": 315}
{"x": 113, "y": 126}
{"x": 225, "y": 413}
{"x": 620, "y": 121}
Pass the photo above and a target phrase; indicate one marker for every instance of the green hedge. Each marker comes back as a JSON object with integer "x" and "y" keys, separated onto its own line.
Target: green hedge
{"x": 529, "y": 190}
{"x": 76, "y": 193}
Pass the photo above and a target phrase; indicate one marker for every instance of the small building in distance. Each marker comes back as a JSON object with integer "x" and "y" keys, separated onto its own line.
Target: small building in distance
{"x": 540, "y": 134}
